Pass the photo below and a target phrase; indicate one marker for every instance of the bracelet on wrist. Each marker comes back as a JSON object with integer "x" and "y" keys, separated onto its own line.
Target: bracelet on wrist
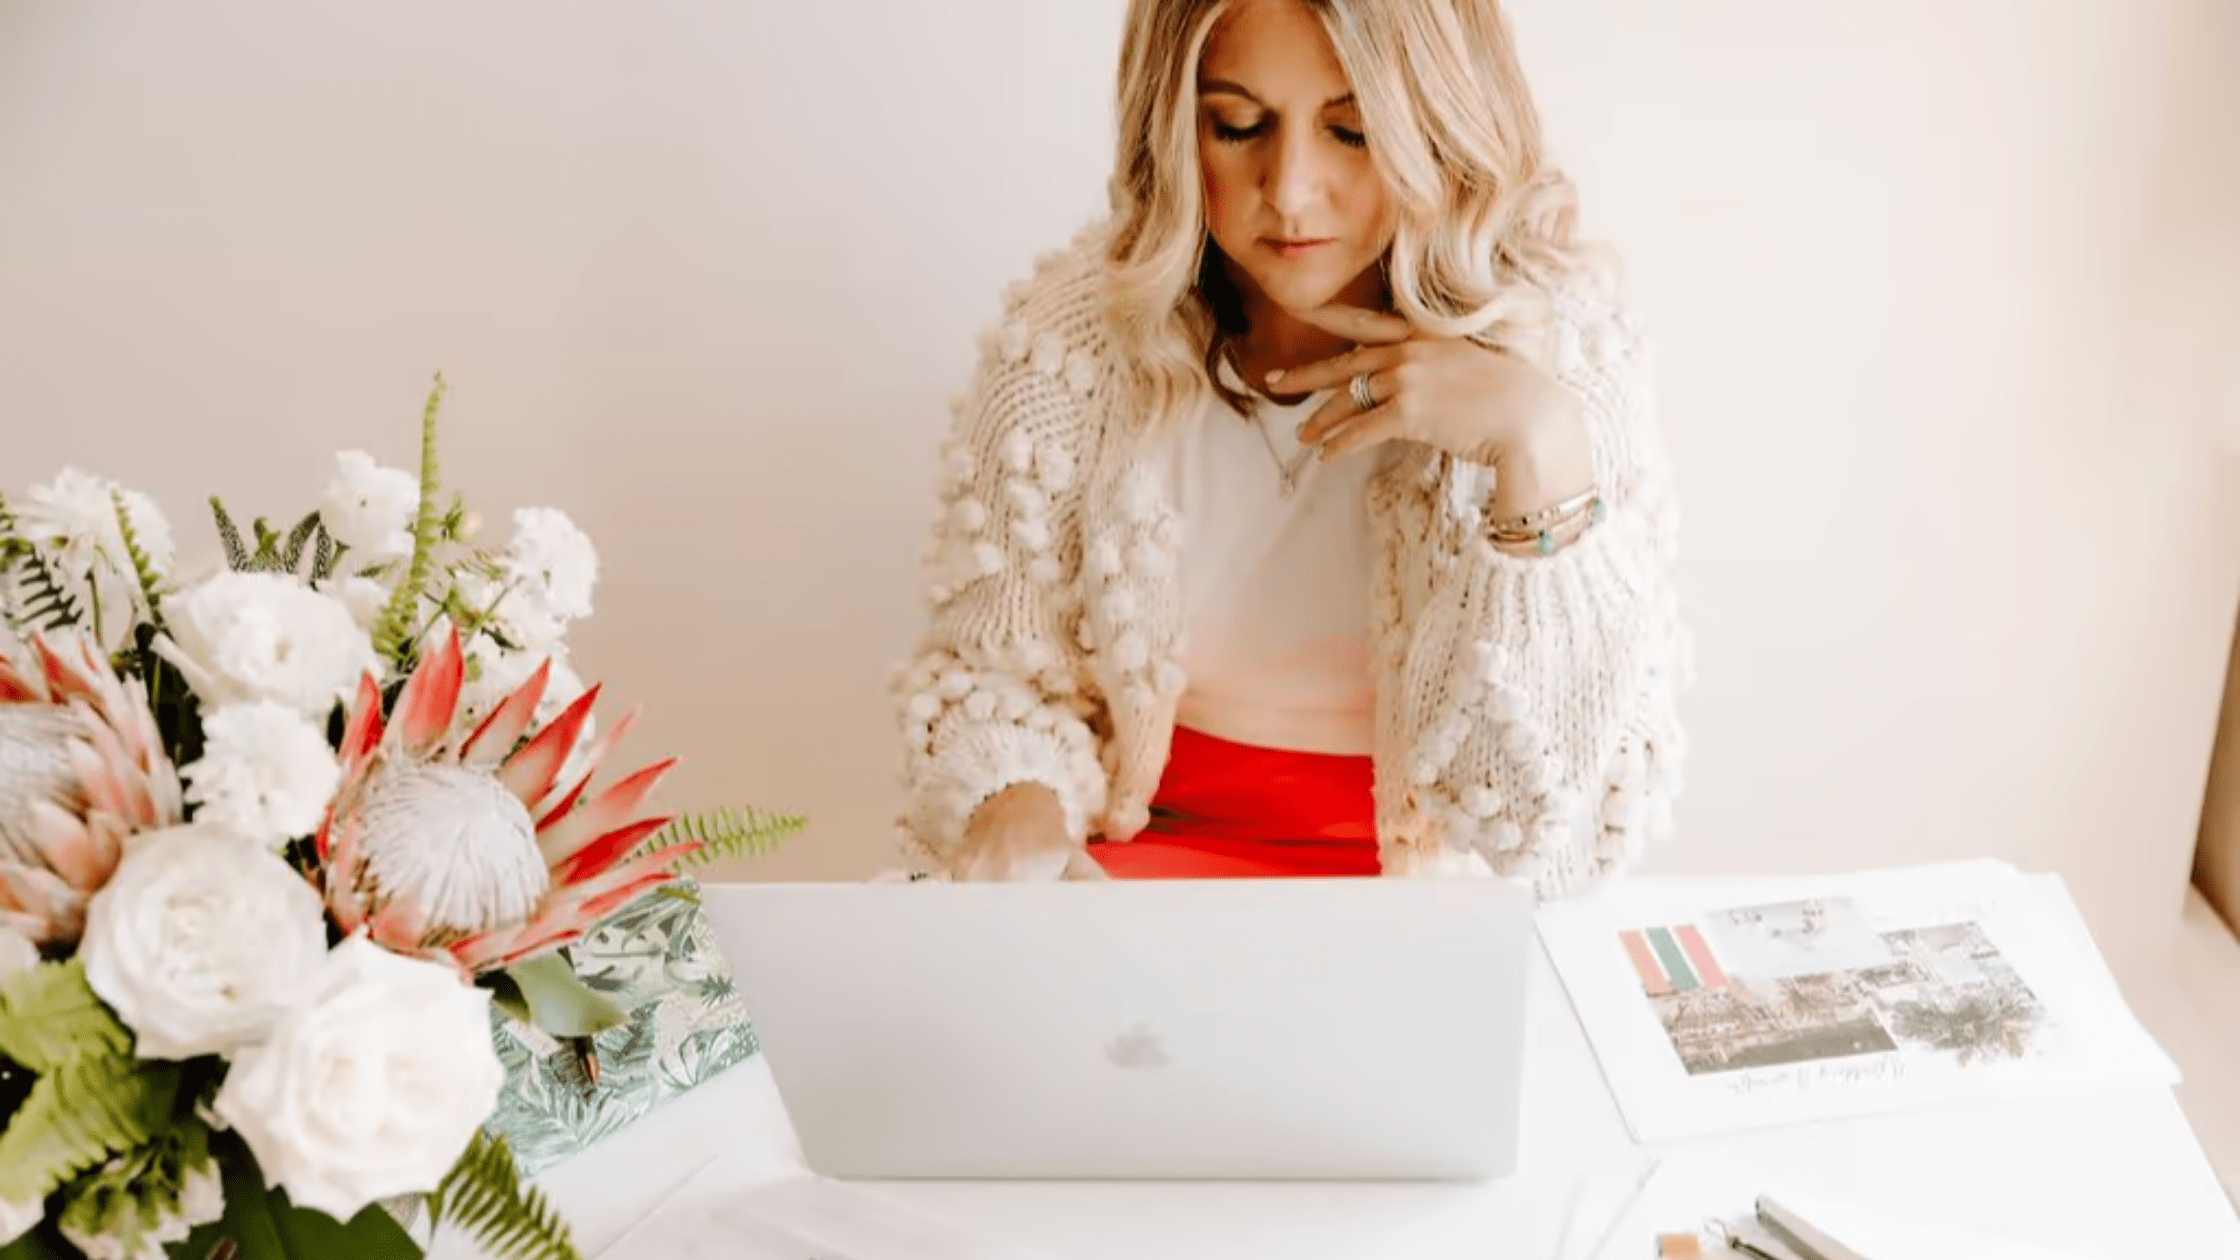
{"x": 1550, "y": 528}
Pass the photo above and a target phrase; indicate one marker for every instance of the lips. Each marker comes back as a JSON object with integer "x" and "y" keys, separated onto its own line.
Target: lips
{"x": 1297, "y": 247}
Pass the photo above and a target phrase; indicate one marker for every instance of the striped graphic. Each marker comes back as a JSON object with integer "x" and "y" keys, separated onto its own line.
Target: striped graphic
{"x": 1699, "y": 953}
{"x": 1645, "y": 964}
{"x": 1672, "y": 960}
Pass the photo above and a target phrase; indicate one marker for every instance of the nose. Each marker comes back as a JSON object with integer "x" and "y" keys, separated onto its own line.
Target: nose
{"x": 1296, "y": 174}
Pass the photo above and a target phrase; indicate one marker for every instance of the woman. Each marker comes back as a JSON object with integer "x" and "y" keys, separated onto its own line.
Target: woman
{"x": 1309, "y": 516}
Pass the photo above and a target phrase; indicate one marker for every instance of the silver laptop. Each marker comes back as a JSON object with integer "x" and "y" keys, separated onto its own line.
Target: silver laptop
{"x": 1216, "y": 1029}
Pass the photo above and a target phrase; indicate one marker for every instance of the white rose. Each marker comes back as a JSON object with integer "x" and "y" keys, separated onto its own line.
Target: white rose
{"x": 266, "y": 772}
{"x": 266, "y": 636}
{"x": 201, "y": 940}
{"x": 372, "y": 1087}
{"x": 369, "y": 508}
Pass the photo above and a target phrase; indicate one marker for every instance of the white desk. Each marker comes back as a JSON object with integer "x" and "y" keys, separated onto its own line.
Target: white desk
{"x": 2116, "y": 1174}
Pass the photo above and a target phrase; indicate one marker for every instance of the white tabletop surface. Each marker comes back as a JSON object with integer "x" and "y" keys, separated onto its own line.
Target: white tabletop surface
{"x": 2113, "y": 1173}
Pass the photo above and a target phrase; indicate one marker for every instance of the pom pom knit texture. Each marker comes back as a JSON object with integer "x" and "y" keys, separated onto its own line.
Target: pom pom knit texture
{"x": 1526, "y": 706}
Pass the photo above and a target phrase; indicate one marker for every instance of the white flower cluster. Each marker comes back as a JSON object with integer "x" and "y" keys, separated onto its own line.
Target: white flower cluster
{"x": 356, "y": 1074}
{"x": 74, "y": 523}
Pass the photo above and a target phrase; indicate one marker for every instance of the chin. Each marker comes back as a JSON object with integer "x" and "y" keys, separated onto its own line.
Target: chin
{"x": 1298, "y": 290}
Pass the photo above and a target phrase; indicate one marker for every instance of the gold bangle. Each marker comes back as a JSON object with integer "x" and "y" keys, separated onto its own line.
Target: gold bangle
{"x": 1531, "y": 521}
{"x": 1546, "y": 536}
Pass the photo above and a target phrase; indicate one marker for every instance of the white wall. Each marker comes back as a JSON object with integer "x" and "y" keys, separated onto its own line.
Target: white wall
{"x": 1936, "y": 286}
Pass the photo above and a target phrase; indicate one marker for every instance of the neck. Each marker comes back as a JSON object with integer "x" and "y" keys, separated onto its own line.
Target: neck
{"x": 1276, "y": 338}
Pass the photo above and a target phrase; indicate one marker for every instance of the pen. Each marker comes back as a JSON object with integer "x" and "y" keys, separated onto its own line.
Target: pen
{"x": 1800, "y": 1235}
{"x": 1744, "y": 1247}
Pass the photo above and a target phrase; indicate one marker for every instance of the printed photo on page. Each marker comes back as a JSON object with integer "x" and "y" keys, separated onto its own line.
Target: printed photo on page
{"x": 1734, "y": 1005}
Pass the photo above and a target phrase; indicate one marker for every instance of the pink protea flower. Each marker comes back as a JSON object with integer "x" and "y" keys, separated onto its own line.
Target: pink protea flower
{"x": 82, "y": 766}
{"x": 475, "y": 847}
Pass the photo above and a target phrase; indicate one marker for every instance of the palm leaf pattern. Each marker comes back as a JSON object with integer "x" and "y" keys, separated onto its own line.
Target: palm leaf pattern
{"x": 658, "y": 958}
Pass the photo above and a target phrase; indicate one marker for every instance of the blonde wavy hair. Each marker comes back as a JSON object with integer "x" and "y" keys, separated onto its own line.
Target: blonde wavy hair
{"x": 1484, "y": 225}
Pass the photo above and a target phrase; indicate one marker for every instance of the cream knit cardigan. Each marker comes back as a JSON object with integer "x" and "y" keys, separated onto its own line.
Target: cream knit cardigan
{"x": 1525, "y": 717}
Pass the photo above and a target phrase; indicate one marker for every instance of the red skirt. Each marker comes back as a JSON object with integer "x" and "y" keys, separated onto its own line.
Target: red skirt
{"x": 1234, "y": 811}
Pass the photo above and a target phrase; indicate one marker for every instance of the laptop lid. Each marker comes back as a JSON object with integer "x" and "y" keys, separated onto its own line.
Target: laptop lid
{"x": 1329, "y": 1028}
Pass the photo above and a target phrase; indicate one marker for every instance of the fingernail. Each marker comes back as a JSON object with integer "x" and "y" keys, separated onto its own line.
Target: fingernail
{"x": 1275, "y": 376}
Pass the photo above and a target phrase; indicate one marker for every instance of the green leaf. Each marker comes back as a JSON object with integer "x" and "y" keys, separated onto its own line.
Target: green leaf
{"x": 237, "y": 556}
{"x": 267, "y": 559}
{"x": 506, "y": 996}
{"x": 291, "y": 555}
{"x": 129, "y": 1198}
{"x": 264, "y": 1225}
{"x": 49, "y": 1017}
{"x": 44, "y": 598}
{"x": 392, "y": 636}
{"x": 483, "y": 1197}
{"x": 79, "y": 1115}
{"x": 143, "y": 569}
{"x": 325, "y": 556}
{"x": 41, "y": 597}
{"x": 557, "y": 1001}
{"x": 726, "y": 833}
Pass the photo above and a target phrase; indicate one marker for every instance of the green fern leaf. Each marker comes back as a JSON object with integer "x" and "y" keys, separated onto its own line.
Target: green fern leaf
{"x": 393, "y": 634}
{"x": 143, "y": 568}
{"x": 291, "y": 554}
{"x": 237, "y": 556}
{"x": 483, "y": 1197}
{"x": 726, "y": 833}
{"x": 49, "y": 1018}
{"x": 46, "y": 601}
{"x": 128, "y": 1197}
{"x": 80, "y": 1115}
{"x": 41, "y": 599}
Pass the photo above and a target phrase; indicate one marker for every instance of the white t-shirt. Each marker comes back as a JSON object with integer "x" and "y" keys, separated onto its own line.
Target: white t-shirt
{"x": 1275, "y": 589}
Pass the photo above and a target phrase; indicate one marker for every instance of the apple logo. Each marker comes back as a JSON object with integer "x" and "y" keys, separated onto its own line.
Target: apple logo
{"x": 1137, "y": 1050}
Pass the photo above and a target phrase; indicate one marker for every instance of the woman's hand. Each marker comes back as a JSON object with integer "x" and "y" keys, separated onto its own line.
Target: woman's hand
{"x": 1455, "y": 395}
{"x": 1020, "y": 834}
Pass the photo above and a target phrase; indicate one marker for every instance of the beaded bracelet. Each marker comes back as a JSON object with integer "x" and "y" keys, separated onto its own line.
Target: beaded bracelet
{"x": 1551, "y": 526}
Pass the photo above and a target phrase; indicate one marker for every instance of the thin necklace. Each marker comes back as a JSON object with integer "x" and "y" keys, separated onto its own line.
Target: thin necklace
{"x": 1288, "y": 473}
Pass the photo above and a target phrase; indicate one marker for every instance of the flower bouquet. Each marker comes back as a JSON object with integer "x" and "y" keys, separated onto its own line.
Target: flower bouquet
{"x": 272, "y": 843}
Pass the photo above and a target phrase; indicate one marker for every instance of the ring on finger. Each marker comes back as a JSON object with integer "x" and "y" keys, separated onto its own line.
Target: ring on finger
{"x": 1364, "y": 394}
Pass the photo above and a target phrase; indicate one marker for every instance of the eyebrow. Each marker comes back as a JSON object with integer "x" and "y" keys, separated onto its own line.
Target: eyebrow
{"x": 1210, "y": 86}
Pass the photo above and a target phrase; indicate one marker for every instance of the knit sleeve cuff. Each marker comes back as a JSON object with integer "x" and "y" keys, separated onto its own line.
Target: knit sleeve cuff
{"x": 977, "y": 762}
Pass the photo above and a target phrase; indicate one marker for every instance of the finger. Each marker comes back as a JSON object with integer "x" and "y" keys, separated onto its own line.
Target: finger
{"x": 1337, "y": 369}
{"x": 1355, "y": 324}
{"x": 1334, "y": 411}
{"x": 1379, "y": 424}
{"x": 1340, "y": 408}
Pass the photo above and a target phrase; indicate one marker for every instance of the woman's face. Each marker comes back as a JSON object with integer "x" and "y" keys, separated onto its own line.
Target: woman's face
{"x": 1290, "y": 193}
